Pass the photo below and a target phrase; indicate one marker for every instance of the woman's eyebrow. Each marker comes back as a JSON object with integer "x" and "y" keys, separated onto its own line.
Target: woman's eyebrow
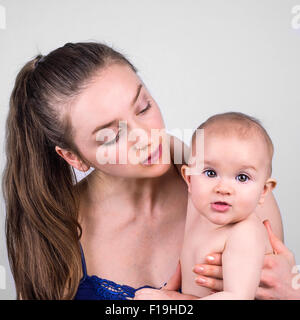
{"x": 140, "y": 86}
{"x": 111, "y": 123}
{"x": 115, "y": 122}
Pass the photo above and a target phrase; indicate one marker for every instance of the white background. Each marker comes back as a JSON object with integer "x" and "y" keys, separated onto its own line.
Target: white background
{"x": 197, "y": 58}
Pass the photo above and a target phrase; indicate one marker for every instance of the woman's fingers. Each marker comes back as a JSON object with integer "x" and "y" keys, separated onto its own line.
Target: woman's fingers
{"x": 211, "y": 283}
{"x": 277, "y": 245}
{"x": 267, "y": 279}
{"x": 208, "y": 270}
{"x": 214, "y": 259}
{"x": 210, "y": 273}
{"x": 263, "y": 294}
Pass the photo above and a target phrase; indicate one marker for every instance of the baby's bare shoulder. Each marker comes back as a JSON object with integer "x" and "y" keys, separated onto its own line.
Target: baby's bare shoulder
{"x": 251, "y": 226}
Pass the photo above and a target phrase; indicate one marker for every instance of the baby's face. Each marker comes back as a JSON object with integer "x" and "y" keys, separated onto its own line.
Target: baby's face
{"x": 233, "y": 180}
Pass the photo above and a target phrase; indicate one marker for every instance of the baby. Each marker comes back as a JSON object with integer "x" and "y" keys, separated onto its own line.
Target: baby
{"x": 222, "y": 201}
{"x": 232, "y": 182}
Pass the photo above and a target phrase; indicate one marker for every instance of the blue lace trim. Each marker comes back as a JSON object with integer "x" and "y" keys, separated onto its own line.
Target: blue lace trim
{"x": 106, "y": 289}
{"x": 110, "y": 290}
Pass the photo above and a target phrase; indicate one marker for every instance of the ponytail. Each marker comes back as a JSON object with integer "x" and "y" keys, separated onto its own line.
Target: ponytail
{"x": 39, "y": 186}
{"x": 41, "y": 222}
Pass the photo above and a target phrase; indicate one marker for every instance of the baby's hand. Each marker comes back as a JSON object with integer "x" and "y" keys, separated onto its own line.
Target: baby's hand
{"x": 153, "y": 294}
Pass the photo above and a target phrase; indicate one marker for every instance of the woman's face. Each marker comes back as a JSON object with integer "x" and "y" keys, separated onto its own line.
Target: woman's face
{"x": 113, "y": 120}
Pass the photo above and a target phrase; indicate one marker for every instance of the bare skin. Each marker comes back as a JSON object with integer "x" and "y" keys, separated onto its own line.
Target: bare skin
{"x": 132, "y": 216}
{"x": 135, "y": 230}
{"x": 234, "y": 171}
{"x": 238, "y": 232}
{"x": 276, "y": 277}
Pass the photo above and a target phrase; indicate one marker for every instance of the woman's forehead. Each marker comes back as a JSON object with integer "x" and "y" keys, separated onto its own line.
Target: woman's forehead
{"x": 115, "y": 84}
{"x": 110, "y": 91}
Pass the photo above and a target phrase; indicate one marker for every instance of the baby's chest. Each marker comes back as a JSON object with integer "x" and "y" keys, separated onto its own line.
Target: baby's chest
{"x": 197, "y": 246}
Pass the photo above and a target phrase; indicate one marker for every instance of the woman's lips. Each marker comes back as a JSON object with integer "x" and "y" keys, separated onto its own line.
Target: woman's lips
{"x": 154, "y": 156}
{"x": 220, "y": 206}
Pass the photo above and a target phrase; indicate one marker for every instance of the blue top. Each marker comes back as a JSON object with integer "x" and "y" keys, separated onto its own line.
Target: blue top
{"x": 95, "y": 288}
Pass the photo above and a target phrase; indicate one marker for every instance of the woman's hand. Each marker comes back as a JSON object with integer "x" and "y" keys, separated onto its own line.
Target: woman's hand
{"x": 210, "y": 275}
{"x": 167, "y": 292}
{"x": 279, "y": 278}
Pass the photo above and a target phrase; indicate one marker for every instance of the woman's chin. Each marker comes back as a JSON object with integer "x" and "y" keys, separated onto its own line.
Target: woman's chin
{"x": 155, "y": 170}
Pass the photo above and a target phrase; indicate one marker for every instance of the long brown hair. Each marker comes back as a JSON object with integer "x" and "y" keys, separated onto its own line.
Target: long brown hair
{"x": 42, "y": 228}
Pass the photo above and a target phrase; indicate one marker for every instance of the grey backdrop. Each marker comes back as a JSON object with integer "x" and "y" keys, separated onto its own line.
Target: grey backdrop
{"x": 197, "y": 58}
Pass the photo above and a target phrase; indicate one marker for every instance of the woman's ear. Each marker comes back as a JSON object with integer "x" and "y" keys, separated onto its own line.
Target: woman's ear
{"x": 186, "y": 175}
{"x": 270, "y": 184}
{"x": 72, "y": 159}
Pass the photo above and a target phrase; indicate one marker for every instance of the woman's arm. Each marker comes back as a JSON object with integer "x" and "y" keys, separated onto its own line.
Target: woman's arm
{"x": 280, "y": 278}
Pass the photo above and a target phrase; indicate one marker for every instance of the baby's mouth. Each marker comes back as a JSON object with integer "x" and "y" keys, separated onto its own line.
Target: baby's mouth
{"x": 220, "y": 206}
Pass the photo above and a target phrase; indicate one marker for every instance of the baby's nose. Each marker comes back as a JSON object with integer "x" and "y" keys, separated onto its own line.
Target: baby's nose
{"x": 223, "y": 188}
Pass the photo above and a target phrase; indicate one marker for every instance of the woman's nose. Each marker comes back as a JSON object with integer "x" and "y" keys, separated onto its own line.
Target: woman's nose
{"x": 140, "y": 138}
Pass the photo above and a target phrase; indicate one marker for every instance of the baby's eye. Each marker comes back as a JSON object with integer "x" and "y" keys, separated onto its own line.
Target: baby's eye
{"x": 210, "y": 173}
{"x": 242, "y": 177}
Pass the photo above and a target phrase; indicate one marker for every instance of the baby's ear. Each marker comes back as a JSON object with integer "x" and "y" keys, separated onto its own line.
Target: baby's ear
{"x": 270, "y": 184}
{"x": 186, "y": 175}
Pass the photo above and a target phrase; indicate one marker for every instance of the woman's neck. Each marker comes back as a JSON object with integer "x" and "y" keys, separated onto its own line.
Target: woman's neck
{"x": 101, "y": 191}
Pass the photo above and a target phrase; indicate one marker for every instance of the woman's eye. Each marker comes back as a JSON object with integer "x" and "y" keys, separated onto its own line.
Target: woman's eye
{"x": 145, "y": 109}
{"x": 210, "y": 173}
{"x": 116, "y": 139}
{"x": 242, "y": 177}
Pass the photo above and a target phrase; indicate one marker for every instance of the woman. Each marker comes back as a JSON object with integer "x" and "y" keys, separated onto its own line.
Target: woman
{"x": 129, "y": 218}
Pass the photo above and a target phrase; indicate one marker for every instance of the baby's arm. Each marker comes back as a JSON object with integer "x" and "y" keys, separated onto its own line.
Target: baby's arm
{"x": 242, "y": 261}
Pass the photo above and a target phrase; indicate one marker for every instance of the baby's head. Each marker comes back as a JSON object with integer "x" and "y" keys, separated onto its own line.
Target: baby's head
{"x": 237, "y": 168}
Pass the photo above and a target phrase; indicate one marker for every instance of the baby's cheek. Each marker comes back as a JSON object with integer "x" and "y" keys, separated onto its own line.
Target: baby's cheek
{"x": 199, "y": 192}
{"x": 248, "y": 201}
